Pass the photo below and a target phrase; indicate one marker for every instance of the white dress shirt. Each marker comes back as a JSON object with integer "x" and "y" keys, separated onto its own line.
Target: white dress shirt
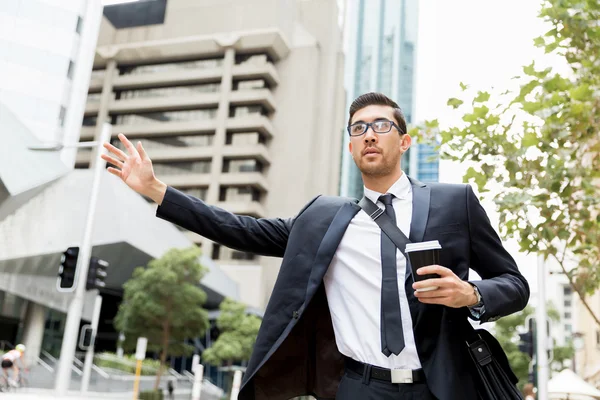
{"x": 353, "y": 286}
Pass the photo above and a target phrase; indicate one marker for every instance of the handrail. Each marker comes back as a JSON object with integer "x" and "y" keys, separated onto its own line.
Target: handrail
{"x": 45, "y": 365}
{"x": 48, "y": 355}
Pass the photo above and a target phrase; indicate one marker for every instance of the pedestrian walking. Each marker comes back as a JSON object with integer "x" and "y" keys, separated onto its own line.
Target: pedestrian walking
{"x": 347, "y": 318}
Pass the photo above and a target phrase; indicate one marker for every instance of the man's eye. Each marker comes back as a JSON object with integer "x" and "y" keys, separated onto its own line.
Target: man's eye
{"x": 358, "y": 128}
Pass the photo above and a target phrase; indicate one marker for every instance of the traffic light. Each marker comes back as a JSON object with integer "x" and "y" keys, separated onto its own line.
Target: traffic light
{"x": 96, "y": 274}
{"x": 68, "y": 266}
{"x": 528, "y": 342}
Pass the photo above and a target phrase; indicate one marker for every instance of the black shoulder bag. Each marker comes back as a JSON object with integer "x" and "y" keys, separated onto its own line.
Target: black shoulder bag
{"x": 492, "y": 373}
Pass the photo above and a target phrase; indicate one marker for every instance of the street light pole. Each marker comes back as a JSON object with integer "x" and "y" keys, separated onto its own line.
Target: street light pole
{"x": 542, "y": 334}
{"x": 69, "y": 343}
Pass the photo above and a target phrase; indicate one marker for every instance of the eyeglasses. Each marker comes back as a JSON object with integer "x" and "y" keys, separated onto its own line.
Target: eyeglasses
{"x": 379, "y": 126}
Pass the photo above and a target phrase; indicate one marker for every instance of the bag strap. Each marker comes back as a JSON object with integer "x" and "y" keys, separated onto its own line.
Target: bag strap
{"x": 385, "y": 223}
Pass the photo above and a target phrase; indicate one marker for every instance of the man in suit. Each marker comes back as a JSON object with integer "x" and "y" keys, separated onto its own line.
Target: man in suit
{"x": 344, "y": 320}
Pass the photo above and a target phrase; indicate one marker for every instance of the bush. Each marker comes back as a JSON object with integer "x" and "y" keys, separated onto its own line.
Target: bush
{"x": 126, "y": 364}
{"x": 151, "y": 395}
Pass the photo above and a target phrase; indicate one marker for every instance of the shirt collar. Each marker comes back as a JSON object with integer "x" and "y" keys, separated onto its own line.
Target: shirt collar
{"x": 401, "y": 189}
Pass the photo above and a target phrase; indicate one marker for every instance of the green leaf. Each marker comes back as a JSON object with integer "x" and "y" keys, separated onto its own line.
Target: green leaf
{"x": 581, "y": 92}
{"x": 529, "y": 139}
{"x": 454, "y": 102}
{"x": 463, "y": 86}
{"x": 481, "y": 97}
{"x": 539, "y": 41}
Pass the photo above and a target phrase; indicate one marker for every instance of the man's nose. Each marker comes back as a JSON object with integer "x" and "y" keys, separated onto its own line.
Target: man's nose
{"x": 370, "y": 136}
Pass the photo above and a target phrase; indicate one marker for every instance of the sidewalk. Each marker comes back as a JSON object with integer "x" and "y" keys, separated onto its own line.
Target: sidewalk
{"x": 48, "y": 394}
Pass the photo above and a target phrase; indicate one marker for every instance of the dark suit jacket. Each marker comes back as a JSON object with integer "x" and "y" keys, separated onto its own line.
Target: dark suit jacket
{"x": 295, "y": 352}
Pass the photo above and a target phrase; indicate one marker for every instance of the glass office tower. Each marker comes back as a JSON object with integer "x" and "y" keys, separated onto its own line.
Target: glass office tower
{"x": 380, "y": 46}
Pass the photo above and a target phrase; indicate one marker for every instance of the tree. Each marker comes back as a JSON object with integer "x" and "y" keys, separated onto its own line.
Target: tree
{"x": 164, "y": 304}
{"x": 238, "y": 334}
{"x": 541, "y": 144}
{"x": 506, "y": 331}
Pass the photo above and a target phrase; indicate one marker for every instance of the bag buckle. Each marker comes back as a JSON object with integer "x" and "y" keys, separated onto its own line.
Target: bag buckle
{"x": 402, "y": 375}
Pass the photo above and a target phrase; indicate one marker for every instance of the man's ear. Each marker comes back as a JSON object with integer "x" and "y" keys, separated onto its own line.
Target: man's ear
{"x": 405, "y": 142}
{"x": 350, "y": 146}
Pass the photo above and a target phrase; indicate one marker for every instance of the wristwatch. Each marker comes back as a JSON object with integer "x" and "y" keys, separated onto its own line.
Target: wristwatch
{"x": 479, "y": 299}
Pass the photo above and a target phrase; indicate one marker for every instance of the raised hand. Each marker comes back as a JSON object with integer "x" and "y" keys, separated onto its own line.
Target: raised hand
{"x": 135, "y": 169}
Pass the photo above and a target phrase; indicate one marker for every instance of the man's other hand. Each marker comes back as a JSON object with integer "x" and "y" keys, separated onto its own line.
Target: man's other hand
{"x": 135, "y": 169}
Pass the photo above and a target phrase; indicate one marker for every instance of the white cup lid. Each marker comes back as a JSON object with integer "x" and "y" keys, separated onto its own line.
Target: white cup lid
{"x": 430, "y": 245}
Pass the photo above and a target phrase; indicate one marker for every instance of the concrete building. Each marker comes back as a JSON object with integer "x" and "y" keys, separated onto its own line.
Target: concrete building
{"x": 47, "y": 50}
{"x": 239, "y": 103}
{"x": 380, "y": 45}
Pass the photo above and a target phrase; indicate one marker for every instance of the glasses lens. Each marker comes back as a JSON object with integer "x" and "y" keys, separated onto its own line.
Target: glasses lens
{"x": 382, "y": 126}
{"x": 357, "y": 129}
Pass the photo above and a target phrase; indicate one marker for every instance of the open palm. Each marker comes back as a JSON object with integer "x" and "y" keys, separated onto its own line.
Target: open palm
{"x": 133, "y": 167}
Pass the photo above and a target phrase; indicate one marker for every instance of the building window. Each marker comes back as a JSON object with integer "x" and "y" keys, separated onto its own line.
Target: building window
{"x": 172, "y": 66}
{"x": 90, "y": 121}
{"x": 198, "y": 192}
{"x": 567, "y": 315}
{"x": 166, "y": 116}
{"x": 568, "y": 328}
{"x": 182, "y": 167}
{"x": 567, "y": 291}
{"x": 71, "y": 70}
{"x": 249, "y": 85}
{"x": 252, "y": 59}
{"x": 240, "y": 255}
{"x": 244, "y": 138}
{"x": 169, "y": 91}
{"x": 79, "y": 26}
{"x": 239, "y": 193}
{"x": 216, "y": 250}
{"x": 243, "y": 111}
{"x": 94, "y": 97}
{"x": 247, "y": 165}
{"x": 171, "y": 142}
{"x": 61, "y": 116}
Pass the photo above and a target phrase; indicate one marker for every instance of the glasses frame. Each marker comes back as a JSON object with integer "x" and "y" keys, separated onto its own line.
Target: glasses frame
{"x": 370, "y": 124}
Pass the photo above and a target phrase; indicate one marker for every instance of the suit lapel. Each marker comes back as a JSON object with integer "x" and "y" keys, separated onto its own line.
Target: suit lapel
{"x": 329, "y": 245}
{"x": 420, "y": 214}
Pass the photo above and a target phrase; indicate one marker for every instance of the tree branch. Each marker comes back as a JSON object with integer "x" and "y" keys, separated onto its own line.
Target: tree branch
{"x": 576, "y": 289}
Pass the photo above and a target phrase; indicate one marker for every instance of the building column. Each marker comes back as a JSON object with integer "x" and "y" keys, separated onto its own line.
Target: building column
{"x": 33, "y": 331}
{"x": 105, "y": 99}
{"x": 212, "y": 195}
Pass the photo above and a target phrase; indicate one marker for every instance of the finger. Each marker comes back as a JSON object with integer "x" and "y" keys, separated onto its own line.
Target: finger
{"x": 439, "y": 282}
{"x": 115, "y": 171}
{"x": 444, "y": 301}
{"x": 130, "y": 148}
{"x": 435, "y": 269}
{"x": 112, "y": 160}
{"x": 116, "y": 151}
{"x": 430, "y": 294}
{"x": 142, "y": 152}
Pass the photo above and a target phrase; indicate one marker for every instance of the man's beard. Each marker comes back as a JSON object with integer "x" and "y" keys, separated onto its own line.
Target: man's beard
{"x": 384, "y": 168}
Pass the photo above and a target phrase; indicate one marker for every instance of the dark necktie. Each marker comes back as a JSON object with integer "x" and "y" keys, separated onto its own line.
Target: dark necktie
{"x": 392, "y": 336}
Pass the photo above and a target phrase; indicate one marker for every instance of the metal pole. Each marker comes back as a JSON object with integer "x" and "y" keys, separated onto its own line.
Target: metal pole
{"x": 67, "y": 350}
{"x": 197, "y": 386}
{"x": 542, "y": 335}
{"x": 235, "y": 388}
{"x": 89, "y": 354}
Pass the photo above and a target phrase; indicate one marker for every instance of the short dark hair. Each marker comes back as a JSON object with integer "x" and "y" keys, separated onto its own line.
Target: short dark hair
{"x": 379, "y": 99}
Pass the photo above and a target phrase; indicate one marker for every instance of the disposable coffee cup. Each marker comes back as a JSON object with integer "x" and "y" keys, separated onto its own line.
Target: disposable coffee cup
{"x": 421, "y": 255}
